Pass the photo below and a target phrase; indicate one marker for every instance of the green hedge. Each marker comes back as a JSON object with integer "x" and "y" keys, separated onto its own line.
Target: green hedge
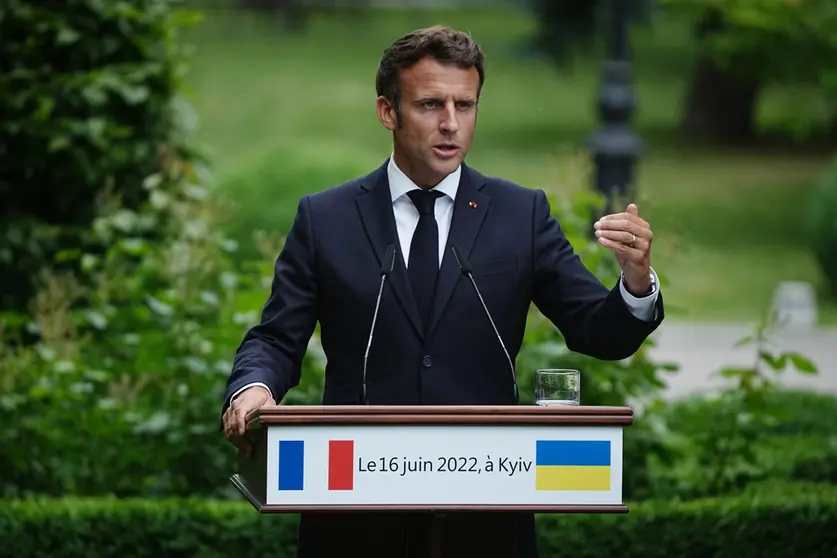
{"x": 776, "y": 520}
{"x": 772, "y": 521}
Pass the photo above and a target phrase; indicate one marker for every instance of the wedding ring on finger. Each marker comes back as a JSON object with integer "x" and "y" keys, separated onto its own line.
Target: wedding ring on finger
{"x": 633, "y": 240}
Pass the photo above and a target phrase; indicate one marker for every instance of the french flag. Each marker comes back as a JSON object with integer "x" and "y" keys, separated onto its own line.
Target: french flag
{"x": 341, "y": 473}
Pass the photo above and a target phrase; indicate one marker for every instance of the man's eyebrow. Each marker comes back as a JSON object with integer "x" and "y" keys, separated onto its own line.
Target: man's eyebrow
{"x": 425, "y": 98}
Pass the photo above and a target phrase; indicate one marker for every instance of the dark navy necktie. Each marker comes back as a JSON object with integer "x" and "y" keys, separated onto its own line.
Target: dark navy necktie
{"x": 423, "y": 267}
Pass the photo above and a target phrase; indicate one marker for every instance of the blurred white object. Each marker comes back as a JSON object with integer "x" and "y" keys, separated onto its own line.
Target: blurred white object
{"x": 795, "y": 304}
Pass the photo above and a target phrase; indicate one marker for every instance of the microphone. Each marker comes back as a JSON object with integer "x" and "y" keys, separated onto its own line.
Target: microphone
{"x": 466, "y": 270}
{"x": 387, "y": 265}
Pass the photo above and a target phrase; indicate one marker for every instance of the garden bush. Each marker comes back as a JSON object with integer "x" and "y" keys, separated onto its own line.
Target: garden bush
{"x": 724, "y": 445}
{"x": 114, "y": 281}
{"x": 778, "y": 521}
{"x": 91, "y": 97}
{"x": 115, "y": 351}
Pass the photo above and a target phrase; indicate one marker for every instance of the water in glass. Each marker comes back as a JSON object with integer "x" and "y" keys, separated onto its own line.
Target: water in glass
{"x": 557, "y": 387}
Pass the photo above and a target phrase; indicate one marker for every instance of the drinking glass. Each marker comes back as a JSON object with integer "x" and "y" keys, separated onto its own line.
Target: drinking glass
{"x": 557, "y": 387}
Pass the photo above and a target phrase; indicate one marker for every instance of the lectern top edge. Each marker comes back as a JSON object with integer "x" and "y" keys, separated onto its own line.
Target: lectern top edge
{"x": 518, "y": 410}
{"x": 454, "y": 415}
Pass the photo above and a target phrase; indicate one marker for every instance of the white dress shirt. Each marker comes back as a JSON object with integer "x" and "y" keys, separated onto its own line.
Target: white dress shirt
{"x": 406, "y": 220}
{"x": 406, "y": 214}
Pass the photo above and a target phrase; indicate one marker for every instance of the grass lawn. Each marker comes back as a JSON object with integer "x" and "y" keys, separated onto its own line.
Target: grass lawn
{"x": 286, "y": 115}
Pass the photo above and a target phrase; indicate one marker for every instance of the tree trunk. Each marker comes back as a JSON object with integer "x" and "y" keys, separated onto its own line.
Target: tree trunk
{"x": 720, "y": 106}
{"x": 720, "y": 102}
{"x": 295, "y": 13}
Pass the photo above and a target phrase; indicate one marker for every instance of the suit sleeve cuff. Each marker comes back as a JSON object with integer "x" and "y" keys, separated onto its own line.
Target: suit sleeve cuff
{"x": 234, "y": 395}
{"x": 642, "y": 308}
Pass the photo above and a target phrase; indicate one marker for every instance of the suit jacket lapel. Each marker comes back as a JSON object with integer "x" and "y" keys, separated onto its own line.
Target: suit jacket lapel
{"x": 469, "y": 211}
{"x": 375, "y": 207}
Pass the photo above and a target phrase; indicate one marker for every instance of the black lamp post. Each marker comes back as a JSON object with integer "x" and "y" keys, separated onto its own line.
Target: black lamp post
{"x": 616, "y": 146}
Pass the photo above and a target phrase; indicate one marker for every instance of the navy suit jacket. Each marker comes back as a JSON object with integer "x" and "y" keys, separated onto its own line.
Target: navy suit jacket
{"x": 329, "y": 272}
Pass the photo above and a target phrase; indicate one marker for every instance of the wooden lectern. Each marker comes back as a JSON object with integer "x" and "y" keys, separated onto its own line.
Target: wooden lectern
{"x": 550, "y": 459}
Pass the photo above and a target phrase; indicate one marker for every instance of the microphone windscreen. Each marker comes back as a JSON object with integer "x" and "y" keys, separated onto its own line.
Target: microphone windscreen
{"x": 464, "y": 264}
{"x": 388, "y": 263}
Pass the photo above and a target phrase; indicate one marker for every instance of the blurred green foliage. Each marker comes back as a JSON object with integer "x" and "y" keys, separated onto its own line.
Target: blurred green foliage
{"x": 769, "y": 41}
{"x": 726, "y": 445}
{"x": 751, "y": 432}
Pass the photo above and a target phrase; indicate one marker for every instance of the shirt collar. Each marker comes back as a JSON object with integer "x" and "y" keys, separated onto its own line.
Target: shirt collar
{"x": 399, "y": 184}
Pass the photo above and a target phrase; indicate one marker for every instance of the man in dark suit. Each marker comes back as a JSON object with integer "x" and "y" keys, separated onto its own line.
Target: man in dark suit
{"x": 433, "y": 343}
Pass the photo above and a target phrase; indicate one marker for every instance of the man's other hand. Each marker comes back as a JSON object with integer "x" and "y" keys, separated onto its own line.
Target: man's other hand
{"x": 235, "y": 417}
{"x": 629, "y": 236}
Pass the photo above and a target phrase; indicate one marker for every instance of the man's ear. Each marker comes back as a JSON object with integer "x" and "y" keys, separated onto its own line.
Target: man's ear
{"x": 386, "y": 113}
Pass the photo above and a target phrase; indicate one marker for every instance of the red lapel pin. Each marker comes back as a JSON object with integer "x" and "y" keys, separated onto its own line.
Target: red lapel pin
{"x": 472, "y": 203}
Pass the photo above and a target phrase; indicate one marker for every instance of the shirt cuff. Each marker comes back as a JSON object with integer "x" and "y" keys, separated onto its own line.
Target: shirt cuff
{"x": 642, "y": 308}
{"x": 234, "y": 395}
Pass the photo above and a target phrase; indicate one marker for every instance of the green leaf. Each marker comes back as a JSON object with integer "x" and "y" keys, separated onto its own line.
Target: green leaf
{"x": 96, "y": 128}
{"x": 802, "y": 364}
{"x": 744, "y": 341}
{"x": 96, "y": 319}
{"x": 45, "y": 108}
{"x": 154, "y": 425}
{"x": 68, "y": 255}
{"x": 67, "y": 35}
{"x": 159, "y": 307}
{"x": 58, "y": 143}
{"x": 736, "y": 372}
{"x": 89, "y": 262}
{"x": 134, "y": 95}
{"x": 775, "y": 362}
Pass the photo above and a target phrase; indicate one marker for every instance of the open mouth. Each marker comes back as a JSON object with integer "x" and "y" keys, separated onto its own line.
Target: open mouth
{"x": 446, "y": 149}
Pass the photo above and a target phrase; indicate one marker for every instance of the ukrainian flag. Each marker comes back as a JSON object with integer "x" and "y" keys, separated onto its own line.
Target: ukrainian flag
{"x": 572, "y": 465}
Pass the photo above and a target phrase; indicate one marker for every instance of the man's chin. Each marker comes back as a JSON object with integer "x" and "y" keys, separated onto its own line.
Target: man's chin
{"x": 446, "y": 165}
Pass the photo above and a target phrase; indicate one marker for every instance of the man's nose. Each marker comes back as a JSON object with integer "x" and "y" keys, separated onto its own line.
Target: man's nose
{"x": 450, "y": 122}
